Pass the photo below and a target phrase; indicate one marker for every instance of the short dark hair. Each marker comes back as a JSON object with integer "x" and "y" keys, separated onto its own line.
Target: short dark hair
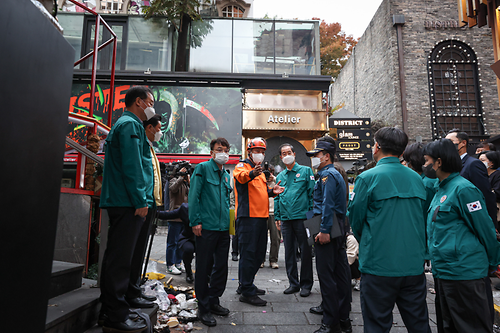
{"x": 414, "y": 155}
{"x": 391, "y": 140}
{"x": 136, "y": 91}
{"x": 153, "y": 121}
{"x": 460, "y": 135}
{"x": 333, "y": 150}
{"x": 286, "y": 145}
{"x": 485, "y": 144}
{"x": 447, "y": 152}
{"x": 493, "y": 156}
{"x": 221, "y": 141}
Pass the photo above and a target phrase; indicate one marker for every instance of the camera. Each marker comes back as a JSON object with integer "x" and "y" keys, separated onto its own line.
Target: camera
{"x": 173, "y": 169}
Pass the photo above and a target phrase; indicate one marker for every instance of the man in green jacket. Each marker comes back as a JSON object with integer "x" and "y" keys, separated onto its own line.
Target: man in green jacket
{"x": 386, "y": 216}
{"x": 127, "y": 195}
{"x": 209, "y": 218}
{"x": 290, "y": 208}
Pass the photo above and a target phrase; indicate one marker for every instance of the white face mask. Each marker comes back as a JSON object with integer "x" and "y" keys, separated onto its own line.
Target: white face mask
{"x": 288, "y": 159}
{"x": 315, "y": 161}
{"x": 258, "y": 158}
{"x": 148, "y": 111}
{"x": 221, "y": 158}
{"x": 486, "y": 164}
{"x": 158, "y": 136}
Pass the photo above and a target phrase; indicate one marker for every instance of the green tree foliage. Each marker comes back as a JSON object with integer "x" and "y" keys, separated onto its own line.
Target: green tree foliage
{"x": 335, "y": 47}
{"x": 180, "y": 13}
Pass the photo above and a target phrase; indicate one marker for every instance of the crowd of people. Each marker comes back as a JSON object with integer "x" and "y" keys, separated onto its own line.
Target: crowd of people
{"x": 420, "y": 204}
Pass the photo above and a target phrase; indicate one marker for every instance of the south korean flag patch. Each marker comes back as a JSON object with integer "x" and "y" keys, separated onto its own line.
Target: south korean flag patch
{"x": 474, "y": 206}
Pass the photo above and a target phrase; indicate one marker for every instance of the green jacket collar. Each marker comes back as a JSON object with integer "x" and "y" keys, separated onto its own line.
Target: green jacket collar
{"x": 214, "y": 165}
{"x": 133, "y": 116}
{"x": 447, "y": 180}
{"x": 387, "y": 160}
{"x": 294, "y": 169}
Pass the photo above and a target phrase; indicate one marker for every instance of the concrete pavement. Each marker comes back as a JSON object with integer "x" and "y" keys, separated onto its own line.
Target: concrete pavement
{"x": 283, "y": 313}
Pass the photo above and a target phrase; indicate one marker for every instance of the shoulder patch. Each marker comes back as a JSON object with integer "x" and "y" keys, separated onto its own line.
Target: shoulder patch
{"x": 474, "y": 206}
{"x": 351, "y": 196}
{"x": 324, "y": 179}
{"x": 311, "y": 177}
{"x": 239, "y": 165}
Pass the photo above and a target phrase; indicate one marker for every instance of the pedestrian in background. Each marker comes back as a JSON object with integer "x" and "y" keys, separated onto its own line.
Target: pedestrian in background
{"x": 290, "y": 209}
{"x": 209, "y": 219}
{"x": 333, "y": 270}
{"x": 387, "y": 204}
{"x": 178, "y": 188}
{"x": 462, "y": 243}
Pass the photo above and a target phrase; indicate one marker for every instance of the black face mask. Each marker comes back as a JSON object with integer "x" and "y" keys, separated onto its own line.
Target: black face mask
{"x": 429, "y": 172}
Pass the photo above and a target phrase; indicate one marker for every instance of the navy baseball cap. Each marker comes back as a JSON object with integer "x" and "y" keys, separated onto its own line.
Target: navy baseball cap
{"x": 323, "y": 146}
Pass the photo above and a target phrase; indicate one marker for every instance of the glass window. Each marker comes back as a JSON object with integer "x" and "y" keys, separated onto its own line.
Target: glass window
{"x": 454, "y": 94}
{"x": 148, "y": 44}
{"x": 232, "y": 11}
{"x": 111, "y": 6}
{"x": 210, "y": 46}
{"x": 295, "y": 48}
{"x": 253, "y": 47}
{"x": 73, "y": 30}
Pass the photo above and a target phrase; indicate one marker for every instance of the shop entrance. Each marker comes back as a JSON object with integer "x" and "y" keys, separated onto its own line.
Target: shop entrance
{"x": 272, "y": 152}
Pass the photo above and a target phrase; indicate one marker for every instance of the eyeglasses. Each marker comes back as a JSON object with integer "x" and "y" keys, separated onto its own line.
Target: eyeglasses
{"x": 286, "y": 153}
{"x": 220, "y": 150}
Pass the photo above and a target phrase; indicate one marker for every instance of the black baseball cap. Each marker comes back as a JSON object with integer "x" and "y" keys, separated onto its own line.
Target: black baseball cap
{"x": 323, "y": 146}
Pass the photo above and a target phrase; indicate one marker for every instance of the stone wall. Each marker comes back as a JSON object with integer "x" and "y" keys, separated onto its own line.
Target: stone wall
{"x": 369, "y": 83}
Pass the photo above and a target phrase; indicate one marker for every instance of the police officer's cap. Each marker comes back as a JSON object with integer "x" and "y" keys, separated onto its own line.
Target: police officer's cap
{"x": 323, "y": 146}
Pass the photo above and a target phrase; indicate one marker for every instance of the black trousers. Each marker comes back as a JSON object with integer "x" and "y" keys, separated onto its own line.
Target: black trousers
{"x": 121, "y": 255}
{"x": 134, "y": 289}
{"x": 334, "y": 279}
{"x": 212, "y": 250}
{"x": 464, "y": 306}
{"x": 252, "y": 240}
{"x": 294, "y": 230}
{"x": 380, "y": 293}
{"x": 188, "y": 248}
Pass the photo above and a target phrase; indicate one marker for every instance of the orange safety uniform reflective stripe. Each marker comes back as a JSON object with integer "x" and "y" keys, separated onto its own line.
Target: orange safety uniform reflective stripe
{"x": 252, "y": 193}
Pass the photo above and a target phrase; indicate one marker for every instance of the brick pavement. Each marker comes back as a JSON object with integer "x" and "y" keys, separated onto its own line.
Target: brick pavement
{"x": 283, "y": 313}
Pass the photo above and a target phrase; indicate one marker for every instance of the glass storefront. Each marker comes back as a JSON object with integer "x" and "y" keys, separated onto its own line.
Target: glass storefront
{"x": 223, "y": 45}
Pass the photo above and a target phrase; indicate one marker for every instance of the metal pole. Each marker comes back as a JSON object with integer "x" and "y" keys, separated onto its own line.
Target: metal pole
{"x": 94, "y": 72}
{"x": 112, "y": 84}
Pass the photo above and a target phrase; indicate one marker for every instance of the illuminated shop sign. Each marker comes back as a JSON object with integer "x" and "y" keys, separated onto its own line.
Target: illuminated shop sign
{"x": 345, "y": 123}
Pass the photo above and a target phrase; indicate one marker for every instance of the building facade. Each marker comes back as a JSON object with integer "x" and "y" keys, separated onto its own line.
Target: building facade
{"x": 416, "y": 67}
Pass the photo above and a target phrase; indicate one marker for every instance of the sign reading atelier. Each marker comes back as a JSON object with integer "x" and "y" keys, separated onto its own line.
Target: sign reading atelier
{"x": 346, "y": 123}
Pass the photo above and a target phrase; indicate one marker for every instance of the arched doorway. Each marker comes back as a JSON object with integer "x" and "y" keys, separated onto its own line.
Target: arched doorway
{"x": 272, "y": 152}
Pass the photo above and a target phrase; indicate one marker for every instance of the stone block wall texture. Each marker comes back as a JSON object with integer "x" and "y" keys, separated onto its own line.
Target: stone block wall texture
{"x": 369, "y": 83}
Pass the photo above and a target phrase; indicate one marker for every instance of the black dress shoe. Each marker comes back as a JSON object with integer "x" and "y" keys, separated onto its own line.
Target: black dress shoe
{"x": 219, "y": 310}
{"x": 207, "y": 319}
{"x": 291, "y": 290}
{"x": 346, "y": 325}
{"x": 149, "y": 298}
{"x": 329, "y": 329}
{"x": 305, "y": 293}
{"x": 257, "y": 291}
{"x": 317, "y": 310}
{"x": 253, "y": 300}
{"x": 189, "y": 278}
{"x": 140, "y": 303}
{"x": 234, "y": 257}
{"x": 102, "y": 318}
{"x": 128, "y": 326}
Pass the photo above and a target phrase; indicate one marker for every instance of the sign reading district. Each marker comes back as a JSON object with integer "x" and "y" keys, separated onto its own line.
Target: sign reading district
{"x": 346, "y": 123}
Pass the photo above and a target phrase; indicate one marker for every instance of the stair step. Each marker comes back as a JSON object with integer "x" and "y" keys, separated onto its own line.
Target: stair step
{"x": 65, "y": 277}
{"x": 152, "y": 312}
{"x": 74, "y": 311}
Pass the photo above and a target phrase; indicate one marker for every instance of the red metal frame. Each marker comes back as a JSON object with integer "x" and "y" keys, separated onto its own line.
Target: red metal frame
{"x": 94, "y": 53}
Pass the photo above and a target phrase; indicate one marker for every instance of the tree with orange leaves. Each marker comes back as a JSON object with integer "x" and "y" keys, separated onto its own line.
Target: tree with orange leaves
{"x": 335, "y": 47}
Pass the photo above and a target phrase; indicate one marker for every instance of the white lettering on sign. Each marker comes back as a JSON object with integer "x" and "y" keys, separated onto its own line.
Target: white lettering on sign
{"x": 347, "y": 135}
{"x": 283, "y": 120}
{"x": 441, "y": 24}
{"x": 348, "y": 122}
